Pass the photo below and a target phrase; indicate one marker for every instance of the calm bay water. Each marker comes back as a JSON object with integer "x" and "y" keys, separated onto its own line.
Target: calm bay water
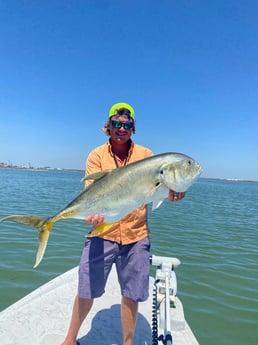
{"x": 213, "y": 231}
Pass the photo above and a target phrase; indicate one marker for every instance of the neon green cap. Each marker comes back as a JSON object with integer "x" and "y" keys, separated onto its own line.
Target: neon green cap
{"x": 113, "y": 110}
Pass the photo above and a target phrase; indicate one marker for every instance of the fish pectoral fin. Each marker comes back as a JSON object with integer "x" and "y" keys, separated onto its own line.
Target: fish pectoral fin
{"x": 151, "y": 197}
{"x": 101, "y": 229}
{"x": 159, "y": 193}
{"x": 153, "y": 191}
{"x": 156, "y": 204}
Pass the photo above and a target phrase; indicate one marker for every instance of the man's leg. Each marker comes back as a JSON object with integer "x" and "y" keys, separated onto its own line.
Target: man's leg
{"x": 129, "y": 309}
{"x": 81, "y": 309}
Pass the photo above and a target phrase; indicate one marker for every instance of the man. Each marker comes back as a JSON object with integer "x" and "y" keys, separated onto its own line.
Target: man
{"x": 126, "y": 244}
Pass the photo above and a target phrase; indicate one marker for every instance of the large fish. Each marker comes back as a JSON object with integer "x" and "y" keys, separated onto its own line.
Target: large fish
{"x": 115, "y": 193}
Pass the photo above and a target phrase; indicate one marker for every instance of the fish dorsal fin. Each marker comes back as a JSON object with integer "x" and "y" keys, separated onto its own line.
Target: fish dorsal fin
{"x": 101, "y": 229}
{"x": 96, "y": 176}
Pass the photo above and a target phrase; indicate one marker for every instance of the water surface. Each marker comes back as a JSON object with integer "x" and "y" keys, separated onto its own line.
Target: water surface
{"x": 213, "y": 231}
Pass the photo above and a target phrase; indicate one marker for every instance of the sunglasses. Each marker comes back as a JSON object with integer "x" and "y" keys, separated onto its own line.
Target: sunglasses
{"x": 119, "y": 124}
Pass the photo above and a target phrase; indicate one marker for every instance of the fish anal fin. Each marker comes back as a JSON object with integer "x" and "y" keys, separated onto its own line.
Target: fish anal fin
{"x": 101, "y": 229}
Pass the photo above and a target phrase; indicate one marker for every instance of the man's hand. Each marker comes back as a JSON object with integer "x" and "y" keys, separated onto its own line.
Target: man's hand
{"x": 175, "y": 196}
{"x": 95, "y": 220}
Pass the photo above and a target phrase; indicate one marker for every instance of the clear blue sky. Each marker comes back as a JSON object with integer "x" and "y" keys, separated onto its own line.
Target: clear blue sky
{"x": 189, "y": 68}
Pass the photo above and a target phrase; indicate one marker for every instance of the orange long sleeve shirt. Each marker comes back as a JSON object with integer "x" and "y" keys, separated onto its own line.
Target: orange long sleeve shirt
{"x": 133, "y": 227}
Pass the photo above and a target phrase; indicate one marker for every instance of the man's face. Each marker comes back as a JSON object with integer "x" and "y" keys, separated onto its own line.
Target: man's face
{"x": 123, "y": 134}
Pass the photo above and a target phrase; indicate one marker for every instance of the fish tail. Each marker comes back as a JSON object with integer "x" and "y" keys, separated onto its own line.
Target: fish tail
{"x": 44, "y": 226}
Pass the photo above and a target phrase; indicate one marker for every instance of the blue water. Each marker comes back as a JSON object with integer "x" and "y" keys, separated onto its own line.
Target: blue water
{"x": 213, "y": 231}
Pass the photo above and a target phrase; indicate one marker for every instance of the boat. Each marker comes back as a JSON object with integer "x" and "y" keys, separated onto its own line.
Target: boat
{"x": 42, "y": 317}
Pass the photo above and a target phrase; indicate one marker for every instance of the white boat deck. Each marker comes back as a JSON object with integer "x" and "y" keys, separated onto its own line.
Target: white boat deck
{"x": 43, "y": 316}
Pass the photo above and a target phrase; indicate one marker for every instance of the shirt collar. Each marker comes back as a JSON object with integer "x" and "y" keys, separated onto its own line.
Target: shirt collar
{"x": 129, "y": 152}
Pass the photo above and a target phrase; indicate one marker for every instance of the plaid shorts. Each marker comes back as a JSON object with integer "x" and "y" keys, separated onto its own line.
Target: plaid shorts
{"x": 132, "y": 265}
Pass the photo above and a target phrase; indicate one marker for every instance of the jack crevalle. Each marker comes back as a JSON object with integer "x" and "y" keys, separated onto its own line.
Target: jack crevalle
{"x": 150, "y": 180}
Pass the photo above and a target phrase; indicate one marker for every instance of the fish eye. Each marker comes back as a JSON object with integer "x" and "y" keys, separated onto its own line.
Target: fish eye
{"x": 161, "y": 172}
{"x": 189, "y": 162}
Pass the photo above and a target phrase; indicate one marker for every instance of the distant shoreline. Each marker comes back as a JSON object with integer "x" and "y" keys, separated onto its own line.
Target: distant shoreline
{"x": 80, "y": 170}
{"x": 36, "y": 168}
{"x": 227, "y": 179}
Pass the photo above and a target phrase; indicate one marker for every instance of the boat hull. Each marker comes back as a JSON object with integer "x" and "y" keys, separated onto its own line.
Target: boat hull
{"x": 43, "y": 316}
